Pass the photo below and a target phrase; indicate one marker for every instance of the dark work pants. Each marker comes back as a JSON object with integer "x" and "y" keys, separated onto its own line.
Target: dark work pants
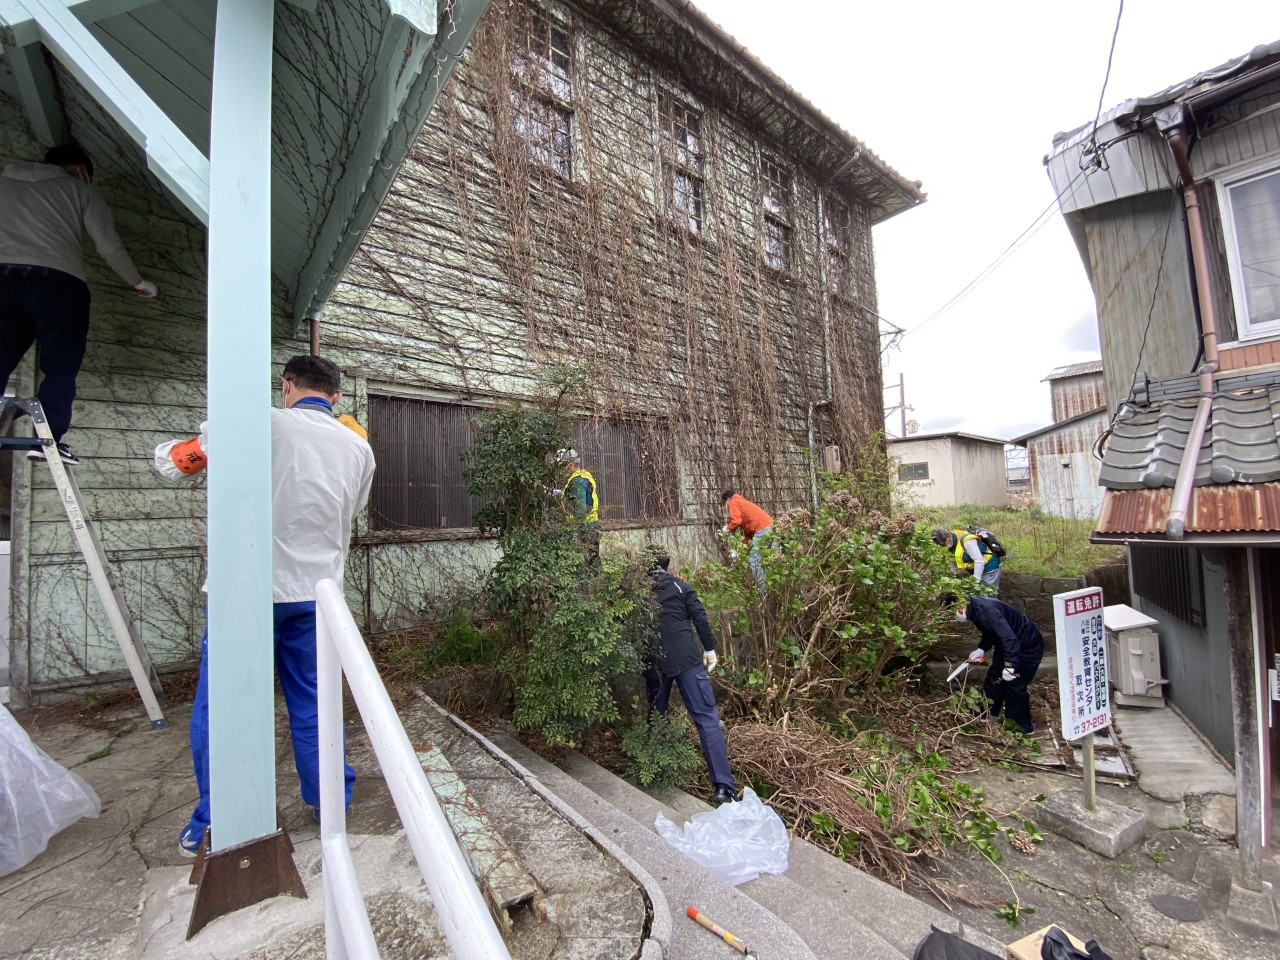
{"x": 51, "y": 308}
{"x": 295, "y": 645}
{"x": 1010, "y": 696}
{"x": 700, "y": 703}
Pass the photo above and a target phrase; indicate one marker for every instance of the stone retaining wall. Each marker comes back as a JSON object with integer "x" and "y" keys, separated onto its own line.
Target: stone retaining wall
{"x": 1034, "y": 595}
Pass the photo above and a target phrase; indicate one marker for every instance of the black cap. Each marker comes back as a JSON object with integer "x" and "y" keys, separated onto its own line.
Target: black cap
{"x": 69, "y": 155}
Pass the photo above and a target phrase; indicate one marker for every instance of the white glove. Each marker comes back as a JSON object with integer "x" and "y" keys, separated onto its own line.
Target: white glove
{"x": 978, "y": 656}
{"x": 709, "y": 661}
{"x": 1008, "y": 676}
{"x": 145, "y": 288}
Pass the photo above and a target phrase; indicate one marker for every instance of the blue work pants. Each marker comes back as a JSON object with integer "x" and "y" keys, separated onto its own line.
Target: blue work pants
{"x": 700, "y": 704}
{"x": 295, "y": 653}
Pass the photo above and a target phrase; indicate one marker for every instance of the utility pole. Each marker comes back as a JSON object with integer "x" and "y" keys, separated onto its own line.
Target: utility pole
{"x": 902, "y": 402}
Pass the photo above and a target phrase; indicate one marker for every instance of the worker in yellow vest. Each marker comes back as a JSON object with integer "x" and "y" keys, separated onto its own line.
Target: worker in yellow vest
{"x": 581, "y": 501}
{"x": 970, "y": 556}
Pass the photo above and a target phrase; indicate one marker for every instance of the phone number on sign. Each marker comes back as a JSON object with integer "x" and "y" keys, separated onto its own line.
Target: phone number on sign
{"x": 1092, "y": 724}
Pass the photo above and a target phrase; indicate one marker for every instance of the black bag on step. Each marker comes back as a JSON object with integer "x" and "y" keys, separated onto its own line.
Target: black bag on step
{"x": 1058, "y": 946}
{"x": 940, "y": 945}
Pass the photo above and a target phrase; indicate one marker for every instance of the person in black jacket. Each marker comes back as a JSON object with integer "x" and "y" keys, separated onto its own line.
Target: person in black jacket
{"x": 1017, "y": 649}
{"x": 682, "y": 660}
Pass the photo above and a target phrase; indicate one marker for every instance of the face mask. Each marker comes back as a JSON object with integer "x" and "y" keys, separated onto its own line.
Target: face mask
{"x": 962, "y": 615}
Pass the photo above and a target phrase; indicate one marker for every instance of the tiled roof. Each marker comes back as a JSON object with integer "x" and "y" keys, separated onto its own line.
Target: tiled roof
{"x": 1241, "y": 443}
{"x": 1074, "y": 370}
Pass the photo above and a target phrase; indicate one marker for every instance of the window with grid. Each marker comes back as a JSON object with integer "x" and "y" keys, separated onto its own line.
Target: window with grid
{"x": 1170, "y": 577}
{"x": 836, "y": 230}
{"x": 542, "y": 97}
{"x": 419, "y": 447}
{"x": 1251, "y": 209}
{"x": 682, "y": 163}
{"x": 775, "y": 199}
{"x": 913, "y": 471}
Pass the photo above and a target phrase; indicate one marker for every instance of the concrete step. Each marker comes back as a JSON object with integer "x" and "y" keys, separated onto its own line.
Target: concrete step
{"x": 680, "y": 881}
{"x": 827, "y": 901}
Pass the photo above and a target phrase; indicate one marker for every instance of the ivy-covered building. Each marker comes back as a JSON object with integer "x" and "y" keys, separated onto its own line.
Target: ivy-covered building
{"x": 614, "y": 185}
{"x": 622, "y": 187}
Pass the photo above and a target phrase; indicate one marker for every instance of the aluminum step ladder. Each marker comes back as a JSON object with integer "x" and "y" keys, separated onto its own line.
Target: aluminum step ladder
{"x": 109, "y": 590}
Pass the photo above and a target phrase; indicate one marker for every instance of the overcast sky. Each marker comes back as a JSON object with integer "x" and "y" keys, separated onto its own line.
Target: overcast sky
{"x": 966, "y": 98}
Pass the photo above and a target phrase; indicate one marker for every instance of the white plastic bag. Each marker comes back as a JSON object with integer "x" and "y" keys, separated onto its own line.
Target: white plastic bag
{"x": 736, "y": 841}
{"x": 38, "y": 797}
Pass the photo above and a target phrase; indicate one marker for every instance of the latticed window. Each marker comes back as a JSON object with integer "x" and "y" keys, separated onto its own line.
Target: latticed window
{"x": 1171, "y": 578}
{"x": 542, "y": 97}
{"x": 835, "y": 231}
{"x": 775, "y": 199}
{"x": 419, "y": 447}
{"x": 682, "y": 163}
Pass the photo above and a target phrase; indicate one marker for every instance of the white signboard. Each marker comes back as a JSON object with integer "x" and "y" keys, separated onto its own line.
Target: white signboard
{"x": 1082, "y": 662}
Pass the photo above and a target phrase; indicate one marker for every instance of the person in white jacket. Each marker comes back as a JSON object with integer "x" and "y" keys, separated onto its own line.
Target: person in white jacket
{"x": 45, "y": 210}
{"x": 322, "y": 469}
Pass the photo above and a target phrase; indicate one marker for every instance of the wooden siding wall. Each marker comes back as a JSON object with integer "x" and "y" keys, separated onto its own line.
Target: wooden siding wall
{"x": 1072, "y": 396}
{"x": 142, "y": 382}
{"x": 473, "y": 281}
{"x": 1125, "y": 243}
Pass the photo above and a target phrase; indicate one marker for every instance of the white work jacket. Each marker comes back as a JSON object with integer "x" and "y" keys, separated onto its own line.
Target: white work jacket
{"x": 321, "y": 472}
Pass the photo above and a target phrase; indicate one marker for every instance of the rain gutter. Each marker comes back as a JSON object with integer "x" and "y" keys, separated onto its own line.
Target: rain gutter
{"x": 1173, "y": 122}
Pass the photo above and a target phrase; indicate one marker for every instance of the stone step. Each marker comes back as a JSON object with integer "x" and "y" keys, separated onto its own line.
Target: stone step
{"x": 817, "y": 892}
{"x": 679, "y": 880}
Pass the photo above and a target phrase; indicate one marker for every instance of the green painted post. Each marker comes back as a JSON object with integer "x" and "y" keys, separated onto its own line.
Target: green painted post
{"x": 241, "y": 659}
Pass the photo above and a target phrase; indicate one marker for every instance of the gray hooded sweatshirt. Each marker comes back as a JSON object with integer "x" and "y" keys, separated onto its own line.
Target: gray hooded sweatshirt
{"x": 44, "y": 215}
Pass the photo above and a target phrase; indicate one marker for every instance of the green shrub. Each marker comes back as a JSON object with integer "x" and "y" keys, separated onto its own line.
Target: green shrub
{"x": 659, "y": 751}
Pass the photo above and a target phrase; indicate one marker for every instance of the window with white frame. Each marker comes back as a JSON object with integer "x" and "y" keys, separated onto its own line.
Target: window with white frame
{"x": 836, "y": 236}
{"x": 775, "y": 200}
{"x": 1251, "y": 215}
{"x": 682, "y": 163}
{"x": 542, "y": 96}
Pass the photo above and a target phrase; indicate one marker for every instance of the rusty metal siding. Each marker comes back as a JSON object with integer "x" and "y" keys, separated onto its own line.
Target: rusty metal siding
{"x": 1243, "y": 130}
{"x": 1125, "y": 242}
{"x": 1070, "y": 491}
{"x": 1072, "y": 396}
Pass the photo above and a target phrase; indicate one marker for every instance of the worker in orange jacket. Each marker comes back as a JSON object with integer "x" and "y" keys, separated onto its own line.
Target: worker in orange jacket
{"x": 754, "y": 524}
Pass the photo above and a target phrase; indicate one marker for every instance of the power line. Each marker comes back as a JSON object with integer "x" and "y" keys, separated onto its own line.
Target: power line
{"x": 1091, "y": 156}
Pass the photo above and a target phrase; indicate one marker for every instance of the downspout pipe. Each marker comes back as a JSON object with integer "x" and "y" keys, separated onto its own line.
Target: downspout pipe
{"x": 1174, "y": 124}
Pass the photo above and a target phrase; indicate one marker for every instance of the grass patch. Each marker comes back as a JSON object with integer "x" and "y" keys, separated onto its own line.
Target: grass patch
{"x": 1039, "y": 544}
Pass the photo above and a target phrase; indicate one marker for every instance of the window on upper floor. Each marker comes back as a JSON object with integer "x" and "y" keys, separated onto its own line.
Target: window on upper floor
{"x": 542, "y": 96}
{"x": 1251, "y": 220}
{"x": 836, "y": 232}
{"x": 419, "y": 446}
{"x": 775, "y": 202}
{"x": 683, "y": 163}
{"x": 913, "y": 471}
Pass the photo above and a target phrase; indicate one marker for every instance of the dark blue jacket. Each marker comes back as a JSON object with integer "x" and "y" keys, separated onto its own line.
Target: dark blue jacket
{"x": 679, "y": 612}
{"x": 1006, "y": 628}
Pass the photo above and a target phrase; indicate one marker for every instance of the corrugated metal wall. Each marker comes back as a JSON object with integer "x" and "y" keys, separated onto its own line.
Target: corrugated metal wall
{"x": 1068, "y": 491}
{"x": 1072, "y": 396}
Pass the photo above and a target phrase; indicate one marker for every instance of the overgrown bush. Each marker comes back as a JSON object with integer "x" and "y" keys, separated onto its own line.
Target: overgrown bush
{"x": 850, "y": 591}
{"x": 563, "y": 612}
{"x": 660, "y": 751}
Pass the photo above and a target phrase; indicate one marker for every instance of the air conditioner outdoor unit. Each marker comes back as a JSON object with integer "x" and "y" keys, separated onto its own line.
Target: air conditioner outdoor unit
{"x": 1133, "y": 657}
{"x": 831, "y": 459}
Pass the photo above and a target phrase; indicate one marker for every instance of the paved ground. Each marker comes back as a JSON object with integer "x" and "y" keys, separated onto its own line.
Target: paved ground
{"x": 116, "y": 887}
{"x": 1186, "y": 854}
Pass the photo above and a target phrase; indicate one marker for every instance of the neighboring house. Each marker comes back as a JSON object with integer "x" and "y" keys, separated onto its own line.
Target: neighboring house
{"x": 1062, "y": 456}
{"x": 1179, "y": 231}
{"x": 945, "y": 469}
{"x": 620, "y": 187}
{"x": 623, "y": 188}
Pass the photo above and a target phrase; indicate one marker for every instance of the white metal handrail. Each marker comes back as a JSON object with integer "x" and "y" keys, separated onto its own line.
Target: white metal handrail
{"x": 460, "y": 910}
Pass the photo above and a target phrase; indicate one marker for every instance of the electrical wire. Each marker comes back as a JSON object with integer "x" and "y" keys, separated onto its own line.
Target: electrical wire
{"x": 1091, "y": 157}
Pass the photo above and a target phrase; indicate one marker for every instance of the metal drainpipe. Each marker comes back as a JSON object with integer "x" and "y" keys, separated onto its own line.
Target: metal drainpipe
{"x": 313, "y": 322}
{"x": 826, "y": 344}
{"x": 1175, "y": 524}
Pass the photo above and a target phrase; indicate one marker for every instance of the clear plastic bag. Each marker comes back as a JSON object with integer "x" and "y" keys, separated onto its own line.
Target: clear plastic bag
{"x": 38, "y": 797}
{"x": 736, "y": 841}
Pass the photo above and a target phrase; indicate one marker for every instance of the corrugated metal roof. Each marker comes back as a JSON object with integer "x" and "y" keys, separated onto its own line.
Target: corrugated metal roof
{"x": 1074, "y": 370}
{"x": 1218, "y": 508}
{"x": 1241, "y": 443}
{"x": 953, "y": 434}
{"x": 1022, "y": 440}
